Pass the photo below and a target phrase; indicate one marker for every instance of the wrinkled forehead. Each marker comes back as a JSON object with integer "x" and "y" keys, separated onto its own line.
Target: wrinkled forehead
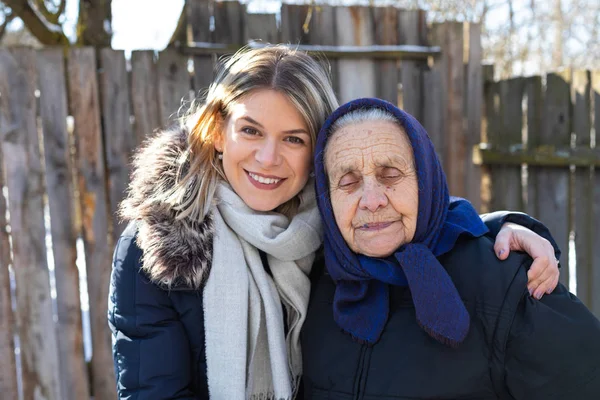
{"x": 368, "y": 144}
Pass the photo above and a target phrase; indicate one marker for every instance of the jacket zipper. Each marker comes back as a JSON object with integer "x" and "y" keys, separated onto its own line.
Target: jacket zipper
{"x": 361, "y": 371}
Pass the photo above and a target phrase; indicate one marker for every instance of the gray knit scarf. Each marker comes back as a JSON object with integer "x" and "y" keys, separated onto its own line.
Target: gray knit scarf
{"x": 248, "y": 353}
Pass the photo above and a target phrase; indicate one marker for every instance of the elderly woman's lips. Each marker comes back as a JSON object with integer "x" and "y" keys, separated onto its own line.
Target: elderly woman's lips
{"x": 375, "y": 226}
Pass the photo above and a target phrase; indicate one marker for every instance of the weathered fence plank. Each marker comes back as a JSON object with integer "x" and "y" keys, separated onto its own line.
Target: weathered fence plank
{"x": 583, "y": 190}
{"x": 553, "y": 184}
{"x": 595, "y": 216}
{"x": 85, "y": 108}
{"x": 144, "y": 94}
{"x": 118, "y": 134}
{"x": 8, "y": 373}
{"x": 24, "y": 174}
{"x": 450, "y": 38}
{"x": 354, "y": 27}
{"x": 293, "y": 17}
{"x": 473, "y": 110}
{"x": 173, "y": 84}
{"x": 534, "y": 93}
{"x": 411, "y": 26}
{"x": 386, "y": 33}
{"x": 230, "y": 22}
{"x": 262, "y": 27}
{"x": 59, "y": 178}
{"x": 322, "y": 32}
{"x": 506, "y": 180}
{"x": 199, "y": 20}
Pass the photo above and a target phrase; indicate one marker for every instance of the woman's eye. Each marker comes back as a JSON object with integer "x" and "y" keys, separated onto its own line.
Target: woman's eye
{"x": 348, "y": 181}
{"x": 391, "y": 173}
{"x": 295, "y": 140}
{"x": 249, "y": 131}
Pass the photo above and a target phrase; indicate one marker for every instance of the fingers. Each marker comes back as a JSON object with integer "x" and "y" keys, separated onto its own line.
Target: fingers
{"x": 502, "y": 243}
{"x": 542, "y": 276}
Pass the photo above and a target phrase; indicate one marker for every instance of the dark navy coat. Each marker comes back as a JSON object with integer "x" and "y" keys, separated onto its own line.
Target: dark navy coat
{"x": 158, "y": 334}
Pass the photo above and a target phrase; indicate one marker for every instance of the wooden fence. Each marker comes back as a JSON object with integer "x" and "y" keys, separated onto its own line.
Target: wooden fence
{"x": 69, "y": 121}
{"x": 541, "y": 157}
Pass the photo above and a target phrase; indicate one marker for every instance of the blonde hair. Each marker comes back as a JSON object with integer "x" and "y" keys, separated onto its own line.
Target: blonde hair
{"x": 291, "y": 72}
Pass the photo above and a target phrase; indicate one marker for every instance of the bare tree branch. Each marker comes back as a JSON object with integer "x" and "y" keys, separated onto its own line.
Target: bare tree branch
{"x": 8, "y": 17}
{"x": 51, "y": 16}
{"x": 45, "y": 32}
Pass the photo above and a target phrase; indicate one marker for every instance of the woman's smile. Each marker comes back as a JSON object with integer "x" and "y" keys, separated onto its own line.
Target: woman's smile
{"x": 267, "y": 182}
{"x": 375, "y": 226}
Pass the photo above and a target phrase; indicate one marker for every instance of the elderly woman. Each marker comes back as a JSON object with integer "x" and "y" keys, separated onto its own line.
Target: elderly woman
{"x": 426, "y": 310}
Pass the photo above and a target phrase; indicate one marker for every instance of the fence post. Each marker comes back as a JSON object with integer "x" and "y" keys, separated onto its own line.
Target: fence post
{"x": 385, "y": 21}
{"x": 583, "y": 212}
{"x": 93, "y": 200}
{"x": 59, "y": 178}
{"x": 24, "y": 179}
{"x": 354, "y": 27}
{"x": 449, "y": 36}
{"x": 595, "y": 217}
{"x": 473, "y": 113}
{"x": 8, "y": 373}
{"x": 553, "y": 184}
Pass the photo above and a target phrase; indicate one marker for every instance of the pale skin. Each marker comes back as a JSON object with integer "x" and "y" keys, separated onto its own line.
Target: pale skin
{"x": 374, "y": 195}
{"x": 266, "y": 138}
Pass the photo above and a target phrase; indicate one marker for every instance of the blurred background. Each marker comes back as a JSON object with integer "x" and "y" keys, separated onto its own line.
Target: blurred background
{"x": 508, "y": 90}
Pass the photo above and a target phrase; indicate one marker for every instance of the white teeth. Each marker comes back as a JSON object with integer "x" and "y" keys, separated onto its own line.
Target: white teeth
{"x": 266, "y": 181}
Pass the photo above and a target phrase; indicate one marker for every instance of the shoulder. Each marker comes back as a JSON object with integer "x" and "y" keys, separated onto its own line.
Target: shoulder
{"x": 172, "y": 252}
{"x": 476, "y": 271}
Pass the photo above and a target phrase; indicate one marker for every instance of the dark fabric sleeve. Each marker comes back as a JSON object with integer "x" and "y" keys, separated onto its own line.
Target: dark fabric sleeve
{"x": 553, "y": 349}
{"x": 150, "y": 349}
{"x": 495, "y": 220}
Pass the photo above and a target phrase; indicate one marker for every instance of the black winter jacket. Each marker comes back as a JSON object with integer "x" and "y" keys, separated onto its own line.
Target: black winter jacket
{"x": 517, "y": 347}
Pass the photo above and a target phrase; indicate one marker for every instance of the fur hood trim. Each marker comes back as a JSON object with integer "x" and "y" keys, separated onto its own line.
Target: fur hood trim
{"x": 176, "y": 252}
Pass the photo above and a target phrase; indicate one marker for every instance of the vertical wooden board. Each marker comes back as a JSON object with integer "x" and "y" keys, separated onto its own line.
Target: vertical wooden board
{"x": 410, "y": 25}
{"x": 506, "y": 180}
{"x": 473, "y": 112}
{"x": 173, "y": 84}
{"x": 490, "y": 124}
{"x": 293, "y": 17}
{"x": 450, "y": 38}
{"x": 144, "y": 94}
{"x": 354, "y": 27}
{"x": 321, "y": 31}
{"x": 24, "y": 179}
{"x": 432, "y": 109}
{"x": 230, "y": 22}
{"x": 8, "y": 373}
{"x": 84, "y": 105}
{"x": 262, "y": 27}
{"x": 59, "y": 179}
{"x": 595, "y": 216}
{"x": 553, "y": 183}
{"x": 118, "y": 134}
{"x": 386, "y": 33}
{"x": 583, "y": 191}
{"x": 436, "y": 95}
{"x": 534, "y": 93}
{"x": 199, "y": 16}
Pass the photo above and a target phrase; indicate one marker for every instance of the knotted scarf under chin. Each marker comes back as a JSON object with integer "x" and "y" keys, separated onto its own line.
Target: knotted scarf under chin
{"x": 361, "y": 301}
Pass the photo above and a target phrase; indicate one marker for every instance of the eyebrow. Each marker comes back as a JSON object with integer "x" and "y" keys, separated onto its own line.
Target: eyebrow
{"x": 291, "y": 131}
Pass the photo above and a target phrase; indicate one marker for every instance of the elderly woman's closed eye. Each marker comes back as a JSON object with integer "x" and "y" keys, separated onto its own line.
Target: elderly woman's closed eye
{"x": 373, "y": 183}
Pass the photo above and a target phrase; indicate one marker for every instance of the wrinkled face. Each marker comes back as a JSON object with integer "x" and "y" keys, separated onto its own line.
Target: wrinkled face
{"x": 373, "y": 186}
{"x": 266, "y": 149}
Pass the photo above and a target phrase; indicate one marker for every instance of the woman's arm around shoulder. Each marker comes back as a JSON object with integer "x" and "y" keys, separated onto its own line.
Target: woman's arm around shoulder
{"x": 553, "y": 349}
{"x": 150, "y": 349}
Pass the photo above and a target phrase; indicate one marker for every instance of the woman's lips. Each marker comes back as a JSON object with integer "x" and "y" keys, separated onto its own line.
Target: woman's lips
{"x": 374, "y": 226}
{"x": 268, "y": 182}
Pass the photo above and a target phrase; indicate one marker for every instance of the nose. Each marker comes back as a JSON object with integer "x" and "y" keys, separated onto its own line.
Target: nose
{"x": 373, "y": 196}
{"x": 267, "y": 154}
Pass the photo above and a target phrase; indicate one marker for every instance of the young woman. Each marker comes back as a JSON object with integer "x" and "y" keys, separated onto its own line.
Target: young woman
{"x": 210, "y": 286}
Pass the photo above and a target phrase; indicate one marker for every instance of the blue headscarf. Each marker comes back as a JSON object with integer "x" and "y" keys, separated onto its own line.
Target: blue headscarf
{"x": 361, "y": 301}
